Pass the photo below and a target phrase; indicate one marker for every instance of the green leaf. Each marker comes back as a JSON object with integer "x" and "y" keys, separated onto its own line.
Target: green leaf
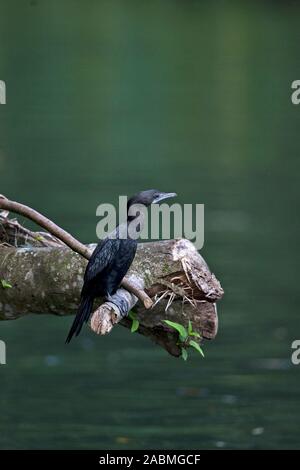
{"x": 5, "y": 284}
{"x": 39, "y": 237}
{"x": 135, "y": 323}
{"x": 180, "y": 328}
{"x": 196, "y": 346}
{"x": 194, "y": 333}
{"x": 184, "y": 354}
{"x": 191, "y": 332}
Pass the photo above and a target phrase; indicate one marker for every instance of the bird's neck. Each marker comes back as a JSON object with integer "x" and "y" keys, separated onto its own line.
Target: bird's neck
{"x": 135, "y": 224}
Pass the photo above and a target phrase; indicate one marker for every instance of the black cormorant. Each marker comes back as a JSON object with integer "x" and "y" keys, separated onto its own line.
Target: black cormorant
{"x": 111, "y": 260}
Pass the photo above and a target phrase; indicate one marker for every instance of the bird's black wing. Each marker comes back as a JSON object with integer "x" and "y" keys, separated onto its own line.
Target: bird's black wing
{"x": 102, "y": 256}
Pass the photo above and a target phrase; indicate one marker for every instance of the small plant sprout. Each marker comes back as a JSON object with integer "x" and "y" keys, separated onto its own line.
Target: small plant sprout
{"x": 186, "y": 338}
{"x": 135, "y": 323}
{"x": 5, "y": 284}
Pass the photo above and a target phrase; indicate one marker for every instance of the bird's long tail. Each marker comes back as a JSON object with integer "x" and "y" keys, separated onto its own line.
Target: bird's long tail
{"x": 83, "y": 314}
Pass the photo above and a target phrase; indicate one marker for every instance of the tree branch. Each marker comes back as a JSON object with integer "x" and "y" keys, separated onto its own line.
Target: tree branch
{"x": 49, "y": 280}
{"x": 65, "y": 237}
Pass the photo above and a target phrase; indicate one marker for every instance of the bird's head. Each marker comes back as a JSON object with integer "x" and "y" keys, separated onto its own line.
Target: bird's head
{"x": 151, "y": 196}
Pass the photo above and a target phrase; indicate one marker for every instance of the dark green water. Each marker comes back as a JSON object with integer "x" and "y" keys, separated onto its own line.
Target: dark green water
{"x": 108, "y": 97}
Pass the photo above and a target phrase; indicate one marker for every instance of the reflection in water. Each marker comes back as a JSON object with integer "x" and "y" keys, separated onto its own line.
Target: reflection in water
{"x": 105, "y": 99}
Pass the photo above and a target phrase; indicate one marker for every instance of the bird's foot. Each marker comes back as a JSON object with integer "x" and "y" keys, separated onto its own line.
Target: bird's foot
{"x": 123, "y": 306}
{"x": 120, "y": 303}
{"x": 109, "y": 298}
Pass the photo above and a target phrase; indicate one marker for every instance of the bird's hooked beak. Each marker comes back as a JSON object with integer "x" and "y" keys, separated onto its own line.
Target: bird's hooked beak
{"x": 163, "y": 196}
